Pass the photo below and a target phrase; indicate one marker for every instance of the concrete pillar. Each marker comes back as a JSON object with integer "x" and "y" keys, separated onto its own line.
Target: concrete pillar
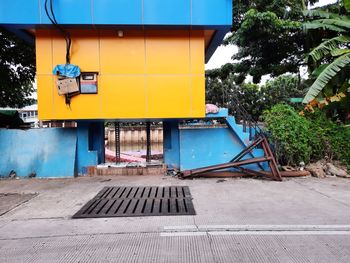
{"x": 90, "y": 145}
{"x": 171, "y": 144}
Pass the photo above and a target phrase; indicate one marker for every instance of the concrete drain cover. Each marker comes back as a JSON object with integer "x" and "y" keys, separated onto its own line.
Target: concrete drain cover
{"x": 139, "y": 201}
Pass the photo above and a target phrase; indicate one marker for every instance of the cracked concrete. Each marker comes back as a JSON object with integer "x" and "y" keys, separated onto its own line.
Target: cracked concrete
{"x": 238, "y": 220}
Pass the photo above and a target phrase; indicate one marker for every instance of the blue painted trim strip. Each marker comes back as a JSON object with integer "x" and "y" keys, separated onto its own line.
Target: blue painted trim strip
{"x": 119, "y": 12}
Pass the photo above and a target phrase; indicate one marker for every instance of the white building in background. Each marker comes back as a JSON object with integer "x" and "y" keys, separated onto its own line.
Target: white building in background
{"x": 29, "y": 115}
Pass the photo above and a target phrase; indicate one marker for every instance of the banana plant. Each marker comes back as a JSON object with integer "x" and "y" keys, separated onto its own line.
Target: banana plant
{"x": 335, "y": 49}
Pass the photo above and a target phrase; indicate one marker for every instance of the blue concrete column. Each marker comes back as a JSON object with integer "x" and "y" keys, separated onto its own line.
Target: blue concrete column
{"x": 171, "y": 144}
{"x": 90, "y": 145}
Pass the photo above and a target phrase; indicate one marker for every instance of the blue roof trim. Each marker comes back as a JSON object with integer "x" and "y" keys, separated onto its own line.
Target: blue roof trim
{"x": 215, "y": 42}
{"x": 16, "y": 15}
{"x": 215, "y": 13}
{"x": 21, "y": 34}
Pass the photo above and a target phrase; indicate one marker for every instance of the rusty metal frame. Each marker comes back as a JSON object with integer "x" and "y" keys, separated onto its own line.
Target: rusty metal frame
{"x": 237, "y": 162}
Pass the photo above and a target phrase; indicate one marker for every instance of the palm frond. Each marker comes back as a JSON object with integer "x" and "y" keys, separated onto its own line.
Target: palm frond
{"x": 342, "y": 22}
{"x": 319, "y": 13}
{"x": 327, "y": 46}
{"x": 319, "y": 70}
{"x": 326, "y": 75}
{"x": 317, "y": 25}
{"x": 339, "y": 51}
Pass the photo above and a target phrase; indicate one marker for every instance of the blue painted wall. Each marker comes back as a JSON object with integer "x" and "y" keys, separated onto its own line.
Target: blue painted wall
{"x": 55, "y": 152}
{"x": 194, "y": 146}
{"x": 200, "y": 147}
{"x": 171, "y": 144}
{"x": 90, "y": 145}
{"x": 46, "y": 152}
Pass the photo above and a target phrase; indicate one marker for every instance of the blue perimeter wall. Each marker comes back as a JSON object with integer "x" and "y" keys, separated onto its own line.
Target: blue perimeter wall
{"x": 52, "y": 152}
{"x": 46, "y": 152}
{"x": 209, "y": 146}
{"x": 194, "y": 147}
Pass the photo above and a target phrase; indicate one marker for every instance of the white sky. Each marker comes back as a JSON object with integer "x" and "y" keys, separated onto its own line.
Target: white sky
{"x": 223, "y": 54}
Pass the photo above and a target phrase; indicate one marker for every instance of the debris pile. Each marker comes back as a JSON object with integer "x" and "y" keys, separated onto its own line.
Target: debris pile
{"x": 323, "y": 169}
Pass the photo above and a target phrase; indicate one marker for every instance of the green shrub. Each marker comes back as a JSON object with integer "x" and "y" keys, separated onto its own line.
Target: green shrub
{"x": 291, "y": 134}
{"x": 310, "y": 138}
{"x": 335, "y": 137}
{"x": 340, "y": 145}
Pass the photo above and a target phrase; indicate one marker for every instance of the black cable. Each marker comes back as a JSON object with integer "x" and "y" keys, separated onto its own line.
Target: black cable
{"x": 65, "y": 34}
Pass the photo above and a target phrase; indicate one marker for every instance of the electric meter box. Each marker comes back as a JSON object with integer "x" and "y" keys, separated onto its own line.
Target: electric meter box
{"x": 88, "y": 82}
{"x": 67, "y": 85}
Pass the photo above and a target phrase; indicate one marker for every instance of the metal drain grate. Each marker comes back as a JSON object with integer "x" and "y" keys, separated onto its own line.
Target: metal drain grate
{"x": 139, "y": 201}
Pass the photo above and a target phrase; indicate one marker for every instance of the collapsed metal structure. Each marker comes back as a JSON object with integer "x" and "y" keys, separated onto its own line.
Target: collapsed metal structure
{"x": 239, "y": 164}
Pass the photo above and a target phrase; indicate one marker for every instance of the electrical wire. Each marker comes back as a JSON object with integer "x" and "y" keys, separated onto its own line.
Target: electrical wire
{"x": 65, "y": 34}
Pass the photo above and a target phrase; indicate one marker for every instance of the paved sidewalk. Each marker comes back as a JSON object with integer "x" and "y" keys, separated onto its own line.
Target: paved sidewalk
{"x": 238, "y": 220}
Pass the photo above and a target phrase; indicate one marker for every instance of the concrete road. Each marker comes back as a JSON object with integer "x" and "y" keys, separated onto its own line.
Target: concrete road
{"x": 238, "y": 220}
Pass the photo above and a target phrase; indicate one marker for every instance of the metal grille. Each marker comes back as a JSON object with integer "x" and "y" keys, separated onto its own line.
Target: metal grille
{"x": 117, "y": 141}
{"x": 139, "y": 201}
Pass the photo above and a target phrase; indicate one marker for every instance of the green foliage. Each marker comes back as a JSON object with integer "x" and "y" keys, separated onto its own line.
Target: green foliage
{"x": 268, "y": 44}
{"x": 333, "y": 52}
{"x": 269, "y": 37}
{"x": 346, "y": 4}
{"x": 326, "y": 75}
{"x": 327, "y": 47}
{"x": 17, "y": 71}
{"x": 291, "y": 134}
{"x": 313, "y": 137}
{"x": 323, "y": 26}
{"x": 222, "y": 91}
{"x": 319, "y": 13}
{"x": 334, "y": 137}
{"x": 280, "y": 90}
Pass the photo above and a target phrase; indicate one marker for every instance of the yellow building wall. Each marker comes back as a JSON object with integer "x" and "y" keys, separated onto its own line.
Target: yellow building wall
{"x": 144, "y": 74}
